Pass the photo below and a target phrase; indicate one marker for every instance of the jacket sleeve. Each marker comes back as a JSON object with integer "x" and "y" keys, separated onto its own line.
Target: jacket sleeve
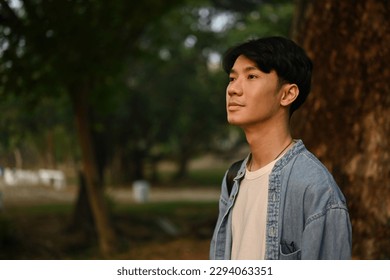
{"x": 328, "y": 236}
{"x": 216, "y": 247}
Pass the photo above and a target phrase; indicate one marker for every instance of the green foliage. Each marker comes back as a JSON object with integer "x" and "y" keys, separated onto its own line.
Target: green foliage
{"x": 54, "y": 48}
{"x": 155, "y": 84}
{"x": 36, "y": 127}
{"x": 61, "y": 43}
{"x": 209, "y": 177}
{"x": 266, "y": 18}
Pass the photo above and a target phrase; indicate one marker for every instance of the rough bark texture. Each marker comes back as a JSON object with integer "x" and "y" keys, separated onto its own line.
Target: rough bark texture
{"x": 346, "y": 120}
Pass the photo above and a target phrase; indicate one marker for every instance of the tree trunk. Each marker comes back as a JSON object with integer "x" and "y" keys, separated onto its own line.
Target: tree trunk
{"x": 345, "y": 120}
{"x": 182, "y": 168}
{"x": 82, "y": 216}
{"x": 18, "y": 159}
{"x": 104, "y": 229}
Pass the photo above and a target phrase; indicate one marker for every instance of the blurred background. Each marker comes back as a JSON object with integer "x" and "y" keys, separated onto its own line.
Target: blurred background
{"x": 113, "y": 133}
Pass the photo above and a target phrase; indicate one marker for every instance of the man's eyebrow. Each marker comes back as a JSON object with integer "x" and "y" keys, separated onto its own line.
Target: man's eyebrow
{"x": 250, "y": 68}
{"x": 246, "y": 69}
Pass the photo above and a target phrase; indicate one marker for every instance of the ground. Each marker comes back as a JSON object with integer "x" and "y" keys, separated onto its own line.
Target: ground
{"x": 175, "y": 223}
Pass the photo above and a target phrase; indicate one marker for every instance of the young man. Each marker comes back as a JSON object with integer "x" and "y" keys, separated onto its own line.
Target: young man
{"x": 283, "y": 204}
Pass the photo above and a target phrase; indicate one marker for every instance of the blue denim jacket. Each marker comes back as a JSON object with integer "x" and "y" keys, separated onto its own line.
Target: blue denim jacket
{"x": 307, "y": 213}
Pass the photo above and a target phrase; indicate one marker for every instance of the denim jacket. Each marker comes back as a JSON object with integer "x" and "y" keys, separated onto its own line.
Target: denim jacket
{"x": 307, "y": 213}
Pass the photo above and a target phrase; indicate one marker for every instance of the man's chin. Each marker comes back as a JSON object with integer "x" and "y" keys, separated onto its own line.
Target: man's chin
{"x": 233, "y": 121}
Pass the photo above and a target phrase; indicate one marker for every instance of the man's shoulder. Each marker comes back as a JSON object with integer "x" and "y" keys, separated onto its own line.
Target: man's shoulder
{"x": 314, "y": 180}
{"x": 310, "y": 167}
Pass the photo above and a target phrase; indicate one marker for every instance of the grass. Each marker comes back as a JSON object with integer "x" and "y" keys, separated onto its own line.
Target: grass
{"x": 212, "y": 177}
{"x": 42, "y": 231}
{"x": 154, "y": 230}
{"x": 195, "y": 177}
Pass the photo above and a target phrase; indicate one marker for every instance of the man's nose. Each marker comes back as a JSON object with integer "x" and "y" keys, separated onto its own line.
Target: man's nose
{"x": 234, "y": 88}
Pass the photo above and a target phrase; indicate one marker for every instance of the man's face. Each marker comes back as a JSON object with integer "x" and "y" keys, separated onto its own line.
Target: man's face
{"x": 252, "y": 96}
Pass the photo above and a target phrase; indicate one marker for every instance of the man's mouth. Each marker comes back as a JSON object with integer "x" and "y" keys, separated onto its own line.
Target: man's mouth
{"x": 234, "y": 105}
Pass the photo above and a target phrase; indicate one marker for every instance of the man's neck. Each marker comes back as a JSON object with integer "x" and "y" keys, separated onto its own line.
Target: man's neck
{"x": 267, "y": 143}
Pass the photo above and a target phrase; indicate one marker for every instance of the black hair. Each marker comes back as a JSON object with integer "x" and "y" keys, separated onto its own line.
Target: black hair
{"x": 280, "y": 54}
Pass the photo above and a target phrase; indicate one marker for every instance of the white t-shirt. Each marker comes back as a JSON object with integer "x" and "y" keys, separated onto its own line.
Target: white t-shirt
{"x": 250, "y": 215}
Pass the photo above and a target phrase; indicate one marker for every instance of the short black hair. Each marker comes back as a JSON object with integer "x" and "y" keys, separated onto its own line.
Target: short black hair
{"x": 284, "y": 56}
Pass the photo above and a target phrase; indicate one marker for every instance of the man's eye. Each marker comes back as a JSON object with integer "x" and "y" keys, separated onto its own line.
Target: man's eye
{"x": 231, "y": 79}
{"x": 251, "y": 77}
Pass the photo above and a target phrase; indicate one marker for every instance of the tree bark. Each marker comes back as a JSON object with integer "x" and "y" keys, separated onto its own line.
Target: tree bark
{"x": 345, "y": 120}
{"x": 82, "y": 216}
{"x": 105, "y": 232}
{"x": 182, "y": 166}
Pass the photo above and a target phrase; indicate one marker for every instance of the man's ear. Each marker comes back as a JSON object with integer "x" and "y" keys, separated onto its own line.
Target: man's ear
{"x": 290, "y": 93}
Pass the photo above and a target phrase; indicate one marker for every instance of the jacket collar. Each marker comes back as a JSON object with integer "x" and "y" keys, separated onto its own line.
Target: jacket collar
{"x": 297, "y": 148}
